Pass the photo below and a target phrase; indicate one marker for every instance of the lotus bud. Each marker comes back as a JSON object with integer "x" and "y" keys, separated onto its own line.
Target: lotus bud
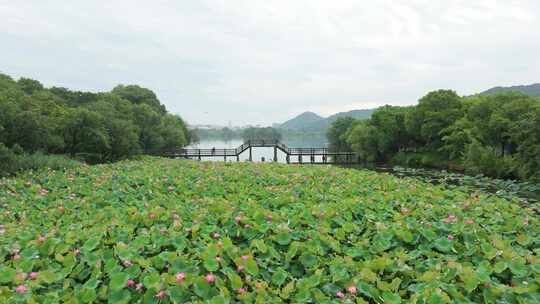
{"x": 33, "y": 275}
{"x": 21, "y": 289}
{"x": 161, "y": 295}
{"x": 180, "y": 276}
{"x": 210, "y": 278}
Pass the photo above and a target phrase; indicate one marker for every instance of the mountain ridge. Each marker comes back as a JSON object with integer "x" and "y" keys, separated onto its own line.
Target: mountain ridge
{"x": 531, "y": 89}
{"x": 312, "y": 122}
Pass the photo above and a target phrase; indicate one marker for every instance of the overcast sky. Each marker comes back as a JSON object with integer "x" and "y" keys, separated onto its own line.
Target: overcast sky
{"x": 264, "y": 61}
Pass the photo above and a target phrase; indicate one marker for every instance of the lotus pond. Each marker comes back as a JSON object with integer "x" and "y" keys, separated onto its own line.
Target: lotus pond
{"x": 170, "y": 231}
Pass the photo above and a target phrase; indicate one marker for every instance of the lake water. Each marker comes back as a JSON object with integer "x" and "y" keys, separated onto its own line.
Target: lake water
{"x": 259, "y": 153}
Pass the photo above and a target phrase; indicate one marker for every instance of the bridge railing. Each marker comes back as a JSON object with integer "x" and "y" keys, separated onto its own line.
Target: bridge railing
{"x": 183, "y": 152}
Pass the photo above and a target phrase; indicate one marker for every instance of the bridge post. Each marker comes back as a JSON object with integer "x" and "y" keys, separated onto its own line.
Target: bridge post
{"x": 199, "y": 154}
{"x": 225, "y": 158}
{"x": 275, "y": 153}
{"x": 312, "y": 158}
{"x": 288, "y": 159}
{"x": 250, "y": 158}
{"x": 237, "y": 158}
{"x": 324, "y": 159}
{"x": 300, "y": 158}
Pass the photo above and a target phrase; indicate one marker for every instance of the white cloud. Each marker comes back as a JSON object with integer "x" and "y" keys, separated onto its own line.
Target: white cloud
{"x": 255, "y": 61}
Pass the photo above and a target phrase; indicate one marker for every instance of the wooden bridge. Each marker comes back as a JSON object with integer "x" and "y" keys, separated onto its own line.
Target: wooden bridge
{"x": 302, "y": 155}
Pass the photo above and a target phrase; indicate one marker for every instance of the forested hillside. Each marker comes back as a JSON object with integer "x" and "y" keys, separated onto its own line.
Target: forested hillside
{"x": 301, "y": 122}
{"x": 496, "y": 135}
{"x": 531, "y": 90}
{"x": 94, "y": 127}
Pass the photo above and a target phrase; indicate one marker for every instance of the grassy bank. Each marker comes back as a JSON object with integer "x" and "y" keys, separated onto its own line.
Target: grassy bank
{"x": 174, "y": 231}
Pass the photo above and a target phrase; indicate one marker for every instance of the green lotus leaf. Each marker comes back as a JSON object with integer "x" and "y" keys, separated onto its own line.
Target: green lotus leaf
{"x": 391, "y": 298}
{"x": 7, "y": 274}
{"x": 309, "y": 260}
{"x": 283, "y": 238}
{"x": 443, "y": 244}
{"x": 251, "y": 267}
{"x": 118, "y": 281}
{"x": 211, "y": 264}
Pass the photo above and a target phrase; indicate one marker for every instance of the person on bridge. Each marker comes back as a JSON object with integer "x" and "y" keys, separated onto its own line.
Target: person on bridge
{"x": 213, "y": 150}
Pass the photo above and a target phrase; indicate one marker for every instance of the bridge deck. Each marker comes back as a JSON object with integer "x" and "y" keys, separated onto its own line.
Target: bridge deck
{"x": 336, "y": 156}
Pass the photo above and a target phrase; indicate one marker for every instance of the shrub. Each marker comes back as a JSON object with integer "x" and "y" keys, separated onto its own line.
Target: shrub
{"x": 12, "y": 163}
{"x": 479, "y": 159}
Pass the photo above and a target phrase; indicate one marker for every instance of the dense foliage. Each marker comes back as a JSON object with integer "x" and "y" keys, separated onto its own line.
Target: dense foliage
{"x": 95, "y": 127}
{"x": 158, "y": 230}
{"x": 225, "y": 133}
{"x": 496, "y": 135}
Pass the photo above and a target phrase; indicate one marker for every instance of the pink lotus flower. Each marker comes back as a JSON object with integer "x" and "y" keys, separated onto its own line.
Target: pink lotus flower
{"x": 33, "y": 275}
{"x": 161, "y": 295}
{"x": 218, "y": 259}
{"x": 244, "y": 257}
{"x": 340, "y": 295}
{"x": 130, "y": 283}
{"x": 210, "y": 278}
{"x": 450, "y": 219}
{"x": 21, "y": 289}
{"x": 269, "y": 217}
{"x": 247, "y": 226}
{"x": 450, "y": 237}
{"x": 139, "y": 286}
{"x": 41, "y": 239}
{"x": 238, "y": 219}
{"x": 240, "y": 268}
{"x": 241, "y": 290}
{"x": 469, "y": 221}
{"x": 152, "y": 215}
{"x": 180, "y": 276}
{"x": 16, "y": 257}
{"x": 351, "y": 289}
{"x": 77, "y": 251}
{"x": 127, "y": 263}
{"x": 215, "y": 235}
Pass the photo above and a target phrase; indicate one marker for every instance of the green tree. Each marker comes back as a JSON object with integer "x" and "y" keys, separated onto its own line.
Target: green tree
{"x": 29, "y": 86}
{"x": 436, "y": 111}
{"x": 173, "y": 131}
{"x": 85, "y": 135}
{"x": 363, "y": 139}
{"x": 337, "y": 134}
{"x": 140, "y": 95}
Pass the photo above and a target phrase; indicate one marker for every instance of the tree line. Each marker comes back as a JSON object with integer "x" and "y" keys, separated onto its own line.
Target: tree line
{"x": 94, "y": 127}
{"x": 496, "y": 135}
{"x": 248, "y": 133}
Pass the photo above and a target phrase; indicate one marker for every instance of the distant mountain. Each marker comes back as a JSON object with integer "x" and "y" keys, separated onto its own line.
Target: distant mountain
{"x": 531, "y": 90}
{"x": 300, "y": 121}
{"x": 311, "y": 122}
